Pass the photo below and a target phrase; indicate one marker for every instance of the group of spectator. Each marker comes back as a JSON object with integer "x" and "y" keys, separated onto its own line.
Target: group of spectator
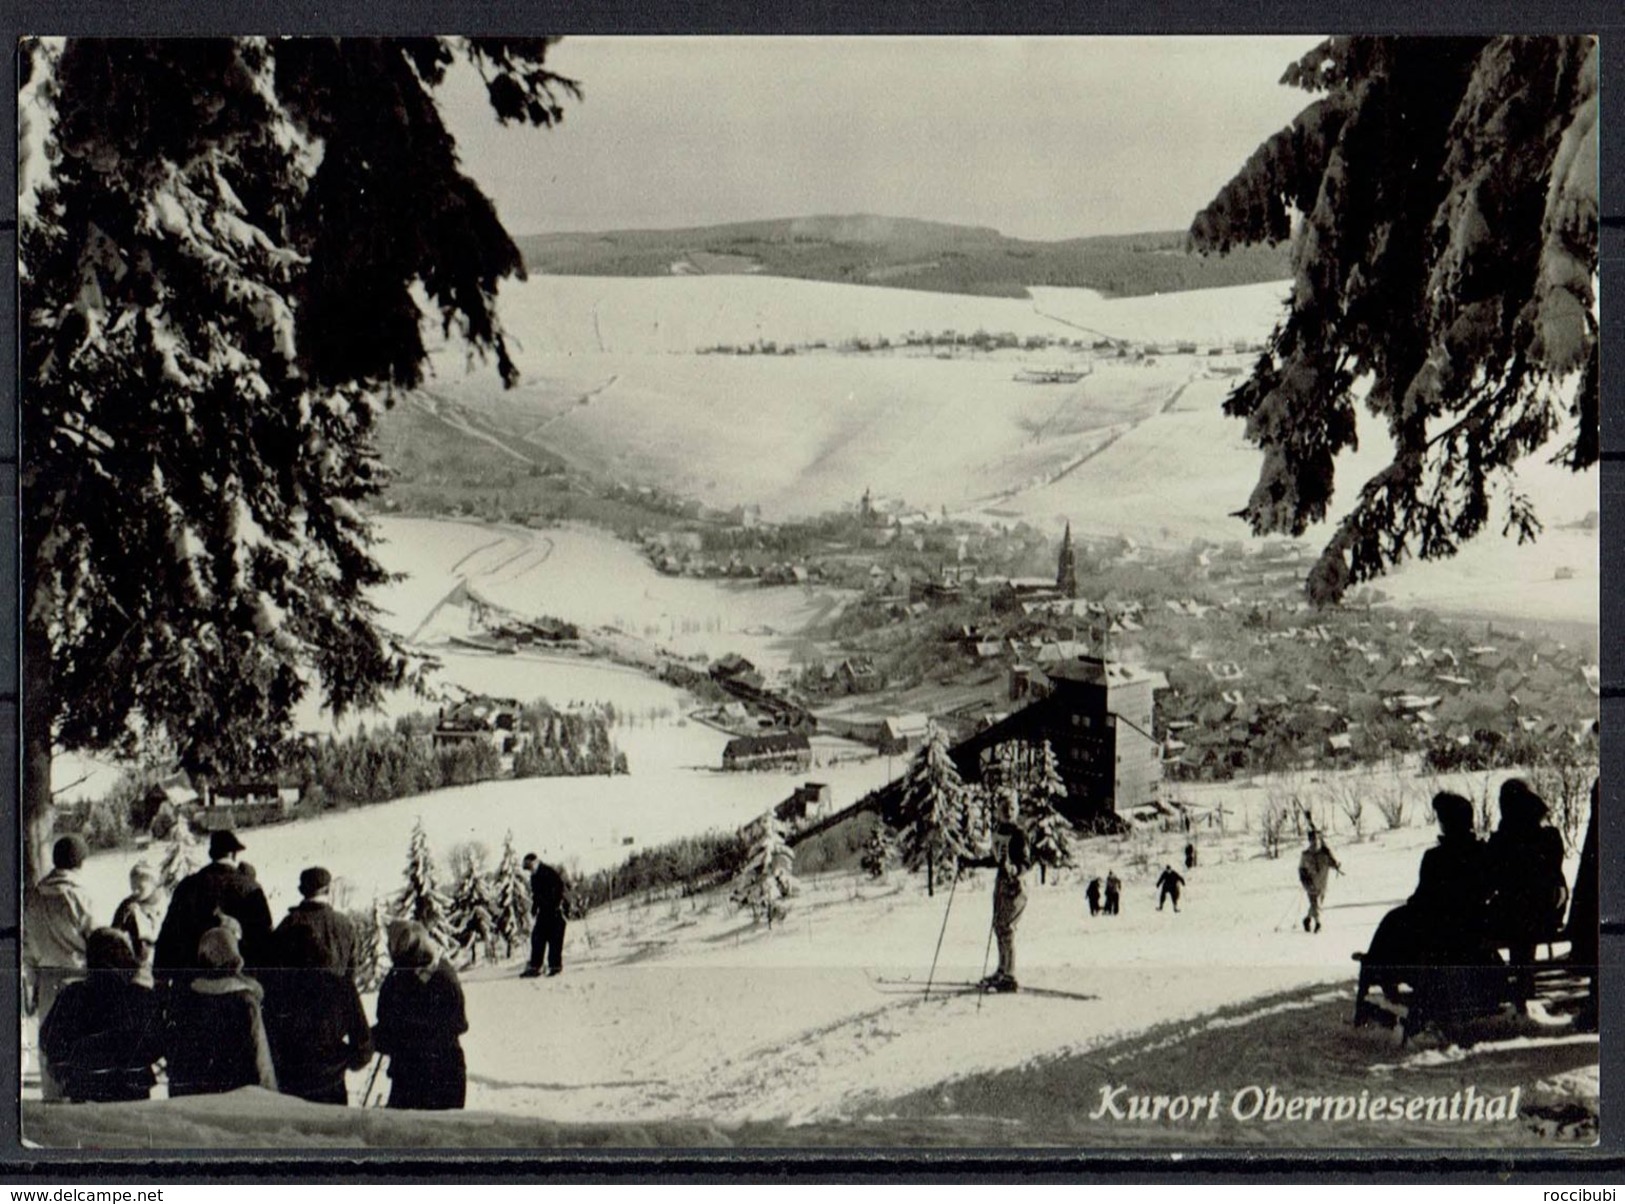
{"x": 208, "y": 989}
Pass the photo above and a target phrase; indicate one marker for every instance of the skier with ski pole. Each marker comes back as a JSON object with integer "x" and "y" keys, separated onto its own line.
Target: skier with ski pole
{"x": 1011, "y": 857}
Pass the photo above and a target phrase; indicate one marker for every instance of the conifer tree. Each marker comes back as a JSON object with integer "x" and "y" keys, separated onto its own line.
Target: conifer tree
{"x": 421, "y": 899}
{"x": 938, "y": 814}
{"x": 1441, "y": 195}
{"x": 510, "y": 900}
{"x": 767, "y": 882}
{"x": 371, "y": 945}
{"x": 1049, "y": 831}
{"x": 879, "y": 851}
{"x": 227, "y": 252}
{"x": 183, "y": 855}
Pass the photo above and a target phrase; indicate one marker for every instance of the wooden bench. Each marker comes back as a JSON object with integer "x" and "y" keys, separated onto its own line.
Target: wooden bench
{"x": 1448, "y": 997}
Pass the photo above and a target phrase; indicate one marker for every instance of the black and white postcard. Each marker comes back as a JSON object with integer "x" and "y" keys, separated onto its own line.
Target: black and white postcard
{"x": 828, "y": 592}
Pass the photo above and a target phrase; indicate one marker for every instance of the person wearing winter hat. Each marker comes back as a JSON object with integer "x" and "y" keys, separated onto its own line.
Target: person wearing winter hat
{"x": 314, "y": 1020}
{"x": 1169, "y": 883}
{"x": 316, "y": 916}
{"x": 58, "y": 919}
{"x": 140, "y": 916}
{"x": 550, "y": 905}
{"x": 1441, "y": 924}
{"x": 216, "y": 1035}
{"x": 104, "y": 1034}
{"x": 420, "y": 1018}
{"x": 219, "y": 888}
{"x": 1528, "y": 892}
{"x": 1011, "y": 857}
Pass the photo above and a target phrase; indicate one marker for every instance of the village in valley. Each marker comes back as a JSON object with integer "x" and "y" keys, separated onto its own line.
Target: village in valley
{"x": 787, "y": 575}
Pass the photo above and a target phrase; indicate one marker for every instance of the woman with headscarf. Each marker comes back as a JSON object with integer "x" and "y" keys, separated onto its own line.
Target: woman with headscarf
{"x": 104, "y": 1034}
{"x": 216, "y": 1040}
{"x": 1442, "y": 922}
{"x": 420, "y": 1017}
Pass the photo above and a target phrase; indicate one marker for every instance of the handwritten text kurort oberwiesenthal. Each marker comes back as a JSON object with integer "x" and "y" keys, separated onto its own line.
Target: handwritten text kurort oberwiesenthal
{"x": 1265, "y": 1105}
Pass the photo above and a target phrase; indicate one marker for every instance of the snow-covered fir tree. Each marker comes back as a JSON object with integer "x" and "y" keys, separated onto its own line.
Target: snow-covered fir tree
{"x": 1049, "y": 831}
{"x": 206, "y": 340}
{"x": 939, "y": 816}
{"x": 473, "y": 918}
{"x": 767, "y": 881}
{"x": 371, "y": 945}
{"x": 879, "y": 851}
{"x": 1030, "y": 772}
{"x": 510, "y": 900}
{"x": 422, "y": 899}
{"x": 182, "y": 857}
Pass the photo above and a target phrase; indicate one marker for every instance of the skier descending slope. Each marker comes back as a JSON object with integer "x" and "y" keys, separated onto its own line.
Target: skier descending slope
{"x": 1011, "y": 857}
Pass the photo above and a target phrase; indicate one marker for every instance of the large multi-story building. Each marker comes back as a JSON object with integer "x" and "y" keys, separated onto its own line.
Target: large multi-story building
{"x": 1097, "y": 718}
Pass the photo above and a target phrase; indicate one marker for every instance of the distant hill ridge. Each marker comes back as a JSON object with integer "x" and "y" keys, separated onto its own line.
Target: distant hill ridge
{"x": 901, "y": 252}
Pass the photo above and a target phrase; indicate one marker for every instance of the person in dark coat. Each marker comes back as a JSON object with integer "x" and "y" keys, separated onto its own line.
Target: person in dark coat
{"x": 1114, "y": 893}
{"x": 1169, "y": 884}
{"x": 313, "y": 1020}
{"x": 104, "y": 1033}
{"x": 549, "y": 903}
{"x": 316, "y": 916}
{"x": 1442, "y": 923}
{"x": 1190, "y": 851}
{"x": 218, "y": 889}
{"x": 1092, "y": 893}
{"x": 216, "y": 1039}
{"x": 1528, "y": 892}
{"x": 420, "y": 1017}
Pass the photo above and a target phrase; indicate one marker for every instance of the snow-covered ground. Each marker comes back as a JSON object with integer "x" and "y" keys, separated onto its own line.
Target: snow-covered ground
{"x": 587, "y": 576}
{"x": 685, "y": 1008}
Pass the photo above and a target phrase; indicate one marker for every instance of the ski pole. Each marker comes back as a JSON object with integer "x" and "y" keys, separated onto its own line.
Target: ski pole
{"x": 987, "y": 953}
{"x": 366, "y": 1096}
{"x": 951, "y": 889}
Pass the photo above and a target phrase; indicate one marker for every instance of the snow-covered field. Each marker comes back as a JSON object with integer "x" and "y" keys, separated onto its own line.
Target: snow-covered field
{"x": 1138, "y": 449}
{"x": 584, "y": 575}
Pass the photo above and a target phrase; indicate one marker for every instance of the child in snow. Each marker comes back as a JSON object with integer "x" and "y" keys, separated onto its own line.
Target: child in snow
{"x": 1092, "y": 893}
{"x": 140, "y": 916}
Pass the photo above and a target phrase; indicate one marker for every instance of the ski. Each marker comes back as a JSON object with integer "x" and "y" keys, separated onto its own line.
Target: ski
{"x": 909, "y": 986}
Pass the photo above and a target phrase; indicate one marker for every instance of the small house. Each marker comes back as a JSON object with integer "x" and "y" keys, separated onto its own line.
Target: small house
{"x": 809, "y": 801}
{"x": 900, "y": 733}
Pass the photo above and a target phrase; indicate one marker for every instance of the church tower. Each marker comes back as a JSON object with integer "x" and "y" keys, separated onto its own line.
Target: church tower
{"x": 1066, "y": 570}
